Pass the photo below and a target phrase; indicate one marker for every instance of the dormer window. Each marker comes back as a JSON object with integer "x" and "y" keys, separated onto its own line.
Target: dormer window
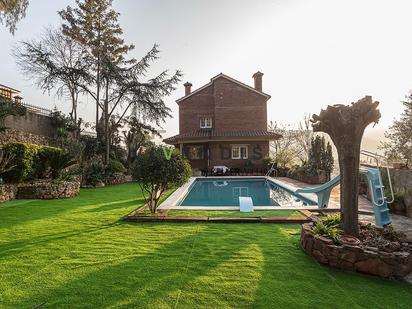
{"x": 205, "y": 123}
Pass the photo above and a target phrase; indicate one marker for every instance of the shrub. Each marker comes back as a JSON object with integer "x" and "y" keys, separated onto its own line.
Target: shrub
{"x": 36, "y": 161}
{"x": 24, "y": 160}
{"x": 115, "y": 166}
{"x": 157, "y": 173}
{"x": 58, "y": 161}
{"x": 321, "y": 229}
{"x": 331, "y": 220}
{"x": 94, "y": 173}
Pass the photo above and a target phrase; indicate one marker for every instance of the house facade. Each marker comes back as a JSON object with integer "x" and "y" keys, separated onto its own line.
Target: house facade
{"x": 224, "y": 123}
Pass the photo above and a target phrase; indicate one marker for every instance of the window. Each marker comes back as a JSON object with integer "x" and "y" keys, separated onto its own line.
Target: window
{"x": 205, "y": 122}
{"x": 239, "y": 152}
{"x": 239, "y": 191}
{"x": 195, "y": 152}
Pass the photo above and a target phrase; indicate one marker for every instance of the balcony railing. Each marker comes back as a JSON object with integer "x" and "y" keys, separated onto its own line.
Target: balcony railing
{"x": 37, "y": 109}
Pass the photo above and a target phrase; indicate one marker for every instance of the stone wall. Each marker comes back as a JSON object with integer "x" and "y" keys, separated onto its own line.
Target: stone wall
{"x": 7, "y": 192}
{"x": 48, "y": 190}
{"x": 367, "y": 260}
{"x": 118, "y": 179}
{"x": 16, "y": 136}
{"x": 33, "y": 123}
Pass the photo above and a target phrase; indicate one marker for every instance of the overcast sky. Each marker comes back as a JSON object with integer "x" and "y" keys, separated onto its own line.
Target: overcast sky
{"x": 313, "y": 53}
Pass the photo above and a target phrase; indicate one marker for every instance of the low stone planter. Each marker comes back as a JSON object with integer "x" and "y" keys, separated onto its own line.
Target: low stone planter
{"x": 118, "y": 179}
{"x": 7, "y": 192}
{"x": 368, "y": 260}
{"x": 48, "y": 190}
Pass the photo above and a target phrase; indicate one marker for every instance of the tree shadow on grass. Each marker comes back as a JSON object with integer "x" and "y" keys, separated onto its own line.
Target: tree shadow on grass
{"x": 296, "y": 280}
{"x": 117, "y": 205}
{"x": 153, "y": 279}
{"x": 32, "y": 210}
{"x": 18, "y": 246}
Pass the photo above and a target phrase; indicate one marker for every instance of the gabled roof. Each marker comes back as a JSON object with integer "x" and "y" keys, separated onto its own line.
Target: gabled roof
{"x": 216, "y": 135}
{"x": 221, "y": 75}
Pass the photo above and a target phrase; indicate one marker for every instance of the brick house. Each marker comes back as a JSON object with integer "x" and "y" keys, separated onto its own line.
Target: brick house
{"x": 224, "y": 123}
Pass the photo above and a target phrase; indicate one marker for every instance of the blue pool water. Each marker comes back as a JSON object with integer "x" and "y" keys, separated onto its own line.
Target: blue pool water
{"x": 226, "y": 191}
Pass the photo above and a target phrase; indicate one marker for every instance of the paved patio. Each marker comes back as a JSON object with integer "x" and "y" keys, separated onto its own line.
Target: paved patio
{"x": 400, "y": 223}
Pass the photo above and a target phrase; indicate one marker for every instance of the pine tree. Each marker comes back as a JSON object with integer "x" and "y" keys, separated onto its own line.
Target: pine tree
{"x": 94, "y": 24}
{"x": 117, "y": 81}
{"x": 399, "y": 134}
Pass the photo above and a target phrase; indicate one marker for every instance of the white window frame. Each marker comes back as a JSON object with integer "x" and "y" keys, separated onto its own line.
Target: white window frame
{"x": 239, "y": 191}
{"x": 206, "y": 122}
{"x": 239, "y": 147}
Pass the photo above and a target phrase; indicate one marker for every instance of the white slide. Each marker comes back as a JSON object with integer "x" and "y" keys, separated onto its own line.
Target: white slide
{"x": 245, "y": 203}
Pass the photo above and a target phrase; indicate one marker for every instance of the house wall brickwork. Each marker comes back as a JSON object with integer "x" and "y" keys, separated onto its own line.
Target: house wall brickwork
{"x": 237, "y": 108}
{"x": 231, "y": 106}
{"x": 220, "y": 153}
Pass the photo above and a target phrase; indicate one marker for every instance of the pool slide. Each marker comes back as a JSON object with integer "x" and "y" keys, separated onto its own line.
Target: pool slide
{"x": 379, "y": 201}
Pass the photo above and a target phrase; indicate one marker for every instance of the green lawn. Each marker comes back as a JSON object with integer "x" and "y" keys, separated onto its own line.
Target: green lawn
{"x": 234, "y": 213}
{"x": 75, "y": 253}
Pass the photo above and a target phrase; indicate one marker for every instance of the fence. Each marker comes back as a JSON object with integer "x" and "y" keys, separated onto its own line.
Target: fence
{"x": 37, "y": 110}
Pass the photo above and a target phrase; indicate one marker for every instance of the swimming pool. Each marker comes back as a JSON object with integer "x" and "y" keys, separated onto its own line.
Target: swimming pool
{"x": 225, "y": 192}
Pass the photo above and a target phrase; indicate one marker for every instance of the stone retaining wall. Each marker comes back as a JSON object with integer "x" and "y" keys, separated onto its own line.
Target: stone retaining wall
{"x": 47, "y": 190}
{"x": 17, "y": 136}
{"x": 118, "y": 179}
{"x": 367, "y": 260}
{"x": 7, "y": 192}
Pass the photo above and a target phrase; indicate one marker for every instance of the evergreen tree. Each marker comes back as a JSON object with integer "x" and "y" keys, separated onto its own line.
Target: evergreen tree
{"x": 116, "y": 81}
{"x": 399, "y": 146}
{"x": 11, "y": 12}
{"x": 94, "y": 24}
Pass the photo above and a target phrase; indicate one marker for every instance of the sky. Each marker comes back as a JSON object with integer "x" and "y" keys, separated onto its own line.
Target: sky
{"x": 312, "y": 53}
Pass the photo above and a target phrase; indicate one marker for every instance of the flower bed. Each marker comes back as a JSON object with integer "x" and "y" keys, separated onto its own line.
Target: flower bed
{"x": 48, "y": 190}
{"x": 7, "y": 192}
{"x": 381, "y": 252}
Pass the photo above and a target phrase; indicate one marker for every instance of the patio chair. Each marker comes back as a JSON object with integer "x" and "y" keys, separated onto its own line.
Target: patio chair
{"x": 234, "y": 171}
{"x": 219, "y": 172}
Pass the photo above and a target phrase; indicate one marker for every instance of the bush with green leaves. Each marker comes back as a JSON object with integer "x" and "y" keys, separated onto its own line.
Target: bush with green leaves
{"x": 156, "y": 173}
{"x": 114, "y": 167}
{"x": 331, "y": 220}
{"x": 24, "y": 160}
{"x": 322, "y": 229}
{"x": 36, "y": 161}
{"x": 94, "y": 173}
{"x": 54, "y": 161}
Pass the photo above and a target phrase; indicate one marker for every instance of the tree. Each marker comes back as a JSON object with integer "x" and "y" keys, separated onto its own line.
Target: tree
{"x": 94, "y": 25}
{"x": 6, "y": 162}
{"x": 117, "y": 82}
{"x": 54, "y": 62}
{"x": 345, "y": 125}
{"x": 304, "y": 136}
{"x": 399, "y": 134}
{"x": 136, "y": 136}
{"x": 156, "y": 174}
{"x": 320, "y": 155}
{"x": 11, "y": 12}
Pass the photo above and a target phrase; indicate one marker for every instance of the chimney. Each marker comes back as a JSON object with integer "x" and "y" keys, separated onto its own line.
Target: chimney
{"x": 258, "y": 80}
{"x": 188, "y": 88}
